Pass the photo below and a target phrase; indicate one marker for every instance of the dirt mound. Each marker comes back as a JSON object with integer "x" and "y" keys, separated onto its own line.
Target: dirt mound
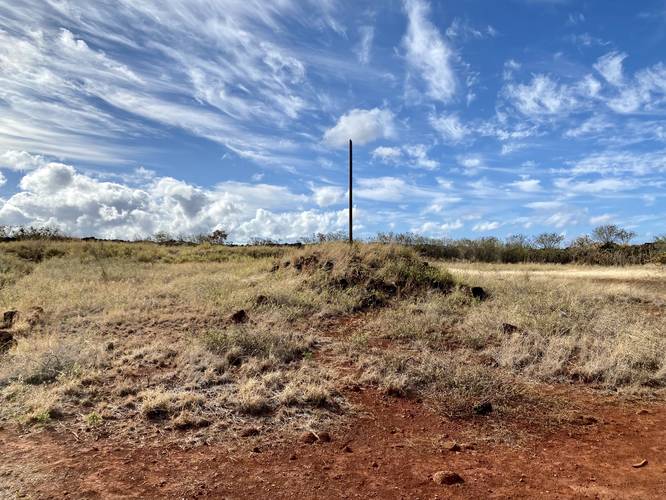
{"x": 379, "y": 272}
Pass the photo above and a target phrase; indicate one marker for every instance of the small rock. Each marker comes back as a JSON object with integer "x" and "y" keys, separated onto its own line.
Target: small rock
{"x": 479, "y": 293}
{"x": 484, "y": 408}
{"x": 451, "y": 446}
{"x": 642, "y": 411}
{"x": 307, "y": 437}
{"x": 346, "y": 448}
{"x": 324, "y": 437}
{"x": 9, "y": 318}
{"x": 293, "y": 456}
{"x": 375, "y": 465}
{"x": 509, "y": 328}
{"x": 6, "y": 340}
{"x": 260, "y": 300}
{"x": 447, "y": 477}
{"x": 249, "y": 432}
{"x": 256, "y": 449}
{"x": 239, "y": 316}
{"x": 640, "y": 464}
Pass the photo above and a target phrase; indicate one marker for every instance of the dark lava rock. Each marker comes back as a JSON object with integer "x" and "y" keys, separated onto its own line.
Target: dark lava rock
{"x": 6, "y": 339}
{"x": 484, "y": 408}
{"x": 307, "y": 437}
{"x": 509, "y": 328}
{"x": 239, "y": 316}
{"x": 324, "y": 437}
{"x": 9, "y": 318}
{"x": 249, "y": 432}
{"x": 479, "y": 293}
{"x": 452, "y": 446}
{"x": 261, "y": 300}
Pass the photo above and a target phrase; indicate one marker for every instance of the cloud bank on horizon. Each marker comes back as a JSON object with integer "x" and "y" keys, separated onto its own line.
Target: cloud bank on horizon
{"x": 120, "y": 119}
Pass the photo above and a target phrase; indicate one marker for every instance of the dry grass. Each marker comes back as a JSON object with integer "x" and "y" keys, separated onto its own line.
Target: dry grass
{"x": 135, "y": 337}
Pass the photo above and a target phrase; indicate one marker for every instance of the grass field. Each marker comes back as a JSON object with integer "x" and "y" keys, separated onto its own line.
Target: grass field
{"x": 208, "y": 344}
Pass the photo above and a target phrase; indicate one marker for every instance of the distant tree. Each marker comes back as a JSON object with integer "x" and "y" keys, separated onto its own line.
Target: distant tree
{"x": 582, "y": 241}
{"x": 611, "y": 233}
{"x": 518, "y": 240}
{"x": 549, "y": 241}
{"x": 161, "y": 237}
{"x": 218, "y": 237}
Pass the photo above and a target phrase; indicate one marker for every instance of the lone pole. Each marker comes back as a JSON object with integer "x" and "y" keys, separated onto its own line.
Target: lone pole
{"x": 351, "y": 230}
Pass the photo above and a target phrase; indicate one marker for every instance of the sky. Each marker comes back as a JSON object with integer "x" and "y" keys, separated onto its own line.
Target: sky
{"x": 470, "y": 118}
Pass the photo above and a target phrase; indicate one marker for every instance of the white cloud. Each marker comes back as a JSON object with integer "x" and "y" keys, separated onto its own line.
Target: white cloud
{"x": 365, "y": 45}
{"x": 20, "y": 160}
{"x": 601, "y": 219}
{"x": 325, "y": 196}
{"x": 3, "y": 179}
{"x": 361, "y": 126}
{"x": 387, "y": 154}
{"x": 562, "y": 219}
{"x": 510, "y": 66}
{"x": 411, "y": 155}
{"x": 596, "y": 186}
{"x": 610, "y": 67}
{"x": 527, "y": 185}
{"x": 395, "y": 190}
{"x": 462, "y": 29}
{"x": 618, "y": 162}
{"x": 390, "y": 189}
{"x": 471, "y": 163}
{"x": 591, "y": 126}
{"x": 57, "y": 194}
{"x": 542, "y": 96}
{"x": 486, "y": 226}
{"x": 427, "y": 52}
{"x": 419, "y": 156}
{"x": 438, "y": 229}
{"x": 450, "y": 127}
{"x": 545, "y": 205}
{"x": 61, "y": 89}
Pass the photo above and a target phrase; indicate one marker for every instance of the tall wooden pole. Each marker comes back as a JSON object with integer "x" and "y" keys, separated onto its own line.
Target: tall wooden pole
{"x": 351, "y": 220}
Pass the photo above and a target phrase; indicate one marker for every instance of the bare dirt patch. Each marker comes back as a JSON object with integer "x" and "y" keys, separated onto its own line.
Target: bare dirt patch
{"x": 392, "y": 451}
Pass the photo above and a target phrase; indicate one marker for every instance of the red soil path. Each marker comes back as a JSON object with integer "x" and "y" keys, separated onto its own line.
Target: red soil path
{"x": 394, "y": 447}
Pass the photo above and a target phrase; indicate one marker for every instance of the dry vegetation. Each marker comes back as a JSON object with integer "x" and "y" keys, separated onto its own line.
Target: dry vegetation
{"x": 134, "y": 339}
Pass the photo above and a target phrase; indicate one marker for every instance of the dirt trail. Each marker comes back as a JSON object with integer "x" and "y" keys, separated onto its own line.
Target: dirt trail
{"x": 393, "y": 448}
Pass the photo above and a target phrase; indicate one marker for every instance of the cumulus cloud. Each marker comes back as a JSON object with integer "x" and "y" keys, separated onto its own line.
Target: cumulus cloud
{"x": 428, "y": 53}
{"x": 325, "y": 196}
{"x": 20, "y": 160}
{"x": 58, "y": 194}
{"x": 361, "y": 126}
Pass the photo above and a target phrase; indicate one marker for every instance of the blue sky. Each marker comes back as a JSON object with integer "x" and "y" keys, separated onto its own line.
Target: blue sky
{"x": 123, "y": 118}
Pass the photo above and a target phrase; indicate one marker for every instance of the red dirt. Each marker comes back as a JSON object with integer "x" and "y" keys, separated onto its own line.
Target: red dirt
{"x": 393, "y": 448}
